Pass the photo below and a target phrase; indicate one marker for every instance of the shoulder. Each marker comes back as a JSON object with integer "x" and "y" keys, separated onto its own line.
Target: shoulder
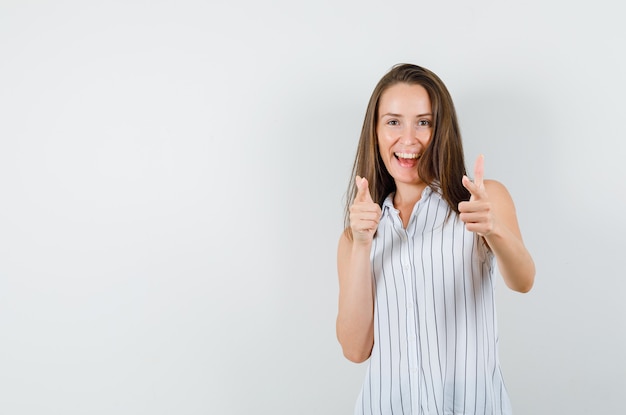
{"x": 496, "y": 189}
{"x": 499, "y": 195}
{"x": 495, "y": 186}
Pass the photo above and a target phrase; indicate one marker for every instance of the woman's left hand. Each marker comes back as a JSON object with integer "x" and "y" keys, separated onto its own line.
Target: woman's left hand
{"x": 477, "y": 213}
{"x": 493, "y": 217}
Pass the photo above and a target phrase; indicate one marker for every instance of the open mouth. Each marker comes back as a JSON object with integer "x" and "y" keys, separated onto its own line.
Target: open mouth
{"x": 408, "y": 156}
{"x": 407, "y": 160}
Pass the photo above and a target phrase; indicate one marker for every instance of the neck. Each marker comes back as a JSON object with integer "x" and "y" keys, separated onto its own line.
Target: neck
{"x": 407, "y": 195}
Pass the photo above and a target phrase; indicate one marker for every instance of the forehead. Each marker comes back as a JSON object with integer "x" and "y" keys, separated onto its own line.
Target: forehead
{"x": 403, "y": 98}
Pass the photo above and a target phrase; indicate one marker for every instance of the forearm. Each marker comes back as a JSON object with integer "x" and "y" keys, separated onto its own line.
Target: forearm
{"x": 355, "y": 319}
{"x": 514, "y": 261}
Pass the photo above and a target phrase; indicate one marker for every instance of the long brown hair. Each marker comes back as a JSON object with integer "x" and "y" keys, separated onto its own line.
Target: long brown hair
{"x": 442, "y": 165}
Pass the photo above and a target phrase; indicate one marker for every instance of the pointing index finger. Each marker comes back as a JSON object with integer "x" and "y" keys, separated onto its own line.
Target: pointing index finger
{"x": 363, "y": 193}
{"x": 479, "y": 171}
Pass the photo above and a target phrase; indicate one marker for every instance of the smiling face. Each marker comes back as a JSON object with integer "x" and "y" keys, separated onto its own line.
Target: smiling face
{"x": 404, "y": 128}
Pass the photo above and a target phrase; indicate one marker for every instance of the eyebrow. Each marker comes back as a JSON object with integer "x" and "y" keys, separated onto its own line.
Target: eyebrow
{"x": 428, "y": 114}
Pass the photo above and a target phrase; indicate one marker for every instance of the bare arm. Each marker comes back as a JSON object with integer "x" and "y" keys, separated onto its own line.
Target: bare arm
{"x": 355, "y": 318}
{"x": 491, "y": 213}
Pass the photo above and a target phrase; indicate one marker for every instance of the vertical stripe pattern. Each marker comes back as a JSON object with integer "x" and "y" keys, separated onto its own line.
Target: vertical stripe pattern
{"x": 435, "y": 329}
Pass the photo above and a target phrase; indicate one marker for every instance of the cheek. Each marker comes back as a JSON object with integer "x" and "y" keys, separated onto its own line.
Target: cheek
{"x": 383, "y": 149}
{"x": 384, "y": 142}
{"x": 426, "y": 137}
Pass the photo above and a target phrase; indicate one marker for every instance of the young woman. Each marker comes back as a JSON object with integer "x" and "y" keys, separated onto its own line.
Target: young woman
{"x": 415, "y": 262}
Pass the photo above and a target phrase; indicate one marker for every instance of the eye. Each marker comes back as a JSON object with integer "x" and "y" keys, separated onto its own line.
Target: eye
{"x": 392, "y": 122}
{"x": 424, "y": 123}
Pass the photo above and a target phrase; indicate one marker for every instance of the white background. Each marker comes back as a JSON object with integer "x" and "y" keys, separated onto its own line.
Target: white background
{"x": 172, "y": 176}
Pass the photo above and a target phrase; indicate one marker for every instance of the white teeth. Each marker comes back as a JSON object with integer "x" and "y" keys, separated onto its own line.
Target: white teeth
{"x": 407, "y": 155}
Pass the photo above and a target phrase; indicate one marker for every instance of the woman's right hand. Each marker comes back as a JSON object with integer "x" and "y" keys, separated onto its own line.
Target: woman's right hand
{"x": 364, "y": 213}
{"x": 355, "y": 319}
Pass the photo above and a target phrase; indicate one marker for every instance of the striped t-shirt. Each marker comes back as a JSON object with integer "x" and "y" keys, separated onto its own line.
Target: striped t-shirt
{"x": 435, "y": 331}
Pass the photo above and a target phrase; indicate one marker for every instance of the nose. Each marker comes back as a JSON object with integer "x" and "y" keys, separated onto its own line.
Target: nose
{"x": 408, "y": 136}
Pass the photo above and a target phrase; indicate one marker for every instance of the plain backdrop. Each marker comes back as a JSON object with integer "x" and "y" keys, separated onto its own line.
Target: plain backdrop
{"x": 172, "y": 180}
